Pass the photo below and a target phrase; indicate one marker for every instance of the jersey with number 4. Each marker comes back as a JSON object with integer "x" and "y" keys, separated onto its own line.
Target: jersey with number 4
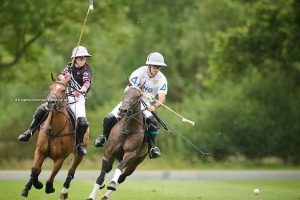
{"x": 155, "y": 85}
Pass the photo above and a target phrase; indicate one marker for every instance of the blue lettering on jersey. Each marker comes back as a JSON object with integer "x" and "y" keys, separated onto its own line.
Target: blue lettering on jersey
{"x": 147, "y": 89}
{"x": 164, "y": 87}
{"x": 134, "y": 80}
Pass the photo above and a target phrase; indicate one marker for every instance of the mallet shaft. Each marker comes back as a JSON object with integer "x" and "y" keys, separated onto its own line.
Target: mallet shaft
{"x": 182, "y": 118}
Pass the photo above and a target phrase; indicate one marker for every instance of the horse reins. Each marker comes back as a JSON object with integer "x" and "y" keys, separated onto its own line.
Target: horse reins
{"x": 57, "y": 107}
{"x": 132, "y": 115}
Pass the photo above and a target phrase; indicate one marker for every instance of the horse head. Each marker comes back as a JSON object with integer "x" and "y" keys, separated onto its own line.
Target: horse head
{"x": 57, "y": 93}
{"x": 131, "y": 102}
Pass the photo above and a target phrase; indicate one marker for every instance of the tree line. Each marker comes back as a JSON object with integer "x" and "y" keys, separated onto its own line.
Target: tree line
{"x": 233, "y": 67}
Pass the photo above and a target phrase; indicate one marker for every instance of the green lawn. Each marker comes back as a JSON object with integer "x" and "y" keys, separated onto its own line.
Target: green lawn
{"x": 168, "y": 190}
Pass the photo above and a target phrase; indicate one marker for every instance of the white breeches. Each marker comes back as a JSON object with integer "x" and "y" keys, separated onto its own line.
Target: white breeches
{"x": 78, "y": 108}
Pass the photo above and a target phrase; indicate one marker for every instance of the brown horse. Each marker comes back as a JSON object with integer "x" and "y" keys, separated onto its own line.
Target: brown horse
{"x": 126, "y": 143}
{"x": 56, "y": 140}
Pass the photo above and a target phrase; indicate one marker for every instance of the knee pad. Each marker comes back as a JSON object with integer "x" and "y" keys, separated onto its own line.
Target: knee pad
{"x": 108, "y": 122}
{"x": 41, "y": 110}
{"x": 152, "y": 124}
{"x": 109, "y": 119}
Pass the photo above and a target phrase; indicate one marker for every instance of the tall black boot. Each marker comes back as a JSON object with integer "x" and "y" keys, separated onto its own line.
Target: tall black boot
{"x": 82, "y": 126}
{"x": 108, "y": 122}
{"x": 154, "y": 151}
{"x": 39, "y": 117}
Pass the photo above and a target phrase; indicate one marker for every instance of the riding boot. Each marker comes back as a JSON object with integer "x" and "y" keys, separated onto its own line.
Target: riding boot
{"x": 108, "y": 122}
{"x": 82, "y": 126}
{"x": 154, "y": 152}
{"x": 38, "y": 118}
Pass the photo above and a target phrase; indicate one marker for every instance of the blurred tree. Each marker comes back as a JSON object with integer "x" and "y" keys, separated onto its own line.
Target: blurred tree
{"x": 260, "y": 59}
{"x": 233, "y": 67}
{"x": 22, "y": 23}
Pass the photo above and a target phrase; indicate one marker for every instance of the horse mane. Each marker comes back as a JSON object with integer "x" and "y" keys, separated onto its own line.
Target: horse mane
{"x": 136, "y": 87}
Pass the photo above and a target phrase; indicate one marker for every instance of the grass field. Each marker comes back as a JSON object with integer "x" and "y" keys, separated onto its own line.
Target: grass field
{"x": 168, "y": 190}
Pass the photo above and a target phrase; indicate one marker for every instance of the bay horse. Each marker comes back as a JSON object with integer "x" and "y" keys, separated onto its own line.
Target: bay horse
{"x": 56, "y": 140}
{"x": 125, "y": 143}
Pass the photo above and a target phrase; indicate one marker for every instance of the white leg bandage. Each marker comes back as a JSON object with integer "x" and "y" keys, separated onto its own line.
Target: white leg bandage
{"x": 116, "y": 175}
{"x": 95, "y": 191}
{"x": 108, "y": 193}
{"x": 64, "y": 190}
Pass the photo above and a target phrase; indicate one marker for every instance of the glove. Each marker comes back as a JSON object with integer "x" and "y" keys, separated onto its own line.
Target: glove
{"x": 151, "y": 108}
{"x": 76, "y": 94}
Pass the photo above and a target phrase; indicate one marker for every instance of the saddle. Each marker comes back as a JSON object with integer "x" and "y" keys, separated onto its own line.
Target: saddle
{"x": 71, "y": 117}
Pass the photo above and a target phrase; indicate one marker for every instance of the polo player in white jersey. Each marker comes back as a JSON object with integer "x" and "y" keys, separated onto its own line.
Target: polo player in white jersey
{"x": 153, "y": 82}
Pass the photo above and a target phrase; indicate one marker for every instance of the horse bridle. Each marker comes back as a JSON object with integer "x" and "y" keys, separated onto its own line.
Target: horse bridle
{"x": 130, "y": 113}
{"x": 56, "y": 104}
{"x": 54, "y": 101}
{"x": 127, "y": 114}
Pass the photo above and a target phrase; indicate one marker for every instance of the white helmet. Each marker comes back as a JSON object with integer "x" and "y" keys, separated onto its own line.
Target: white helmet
{"x": 155, "y": 58}
{"x": 80, "y": 51}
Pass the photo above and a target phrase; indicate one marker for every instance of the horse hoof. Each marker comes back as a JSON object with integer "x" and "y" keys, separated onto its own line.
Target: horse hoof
{"x": 89, "y": 199}
{"x": 64, "y": 196}
{"x": 24, "y": 193}
{"x": 104, "y": 198}
{"x": 38, "y": 185}
{"x": 49, "y": 190}
{"x": 101, "y": 187}
{"x": 112, "y": 186}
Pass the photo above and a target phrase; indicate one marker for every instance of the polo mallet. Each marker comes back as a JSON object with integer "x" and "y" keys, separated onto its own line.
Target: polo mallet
{"x": 151, "y": 97}
{"x": 91, "y": 7}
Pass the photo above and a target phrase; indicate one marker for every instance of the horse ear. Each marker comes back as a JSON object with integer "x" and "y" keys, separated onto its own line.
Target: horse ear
{"x": 53, "y": 78}
{"x": 141, "y": 86}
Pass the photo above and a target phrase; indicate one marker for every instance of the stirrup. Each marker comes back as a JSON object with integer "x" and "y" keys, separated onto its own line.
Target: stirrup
{"x": 100, "y": 140}
{"x": 154, "y": 153}
{"x": 24, "y": 137}
{"x": 81, "y": 150}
